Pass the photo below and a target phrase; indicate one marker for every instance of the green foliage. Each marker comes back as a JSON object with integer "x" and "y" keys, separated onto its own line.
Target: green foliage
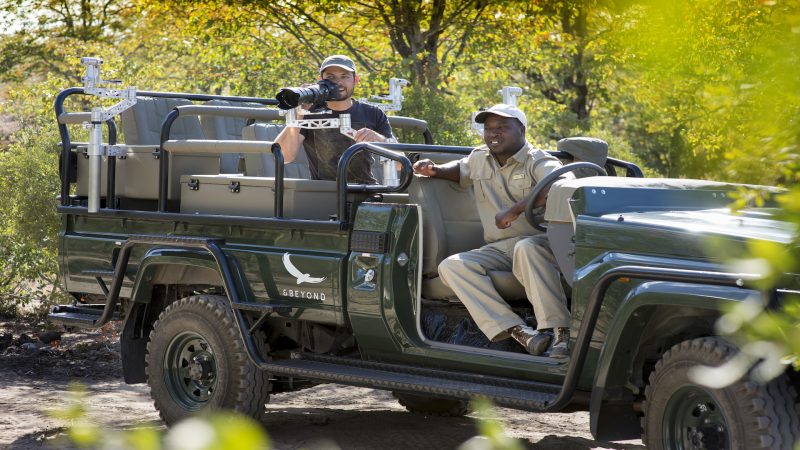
{"x": 715, "y": 79}
{"x": 448, "y": 119}
{"x": 213, "y": 431}
{"x": 29, "y": 183}
{"x": 491, "y": 430}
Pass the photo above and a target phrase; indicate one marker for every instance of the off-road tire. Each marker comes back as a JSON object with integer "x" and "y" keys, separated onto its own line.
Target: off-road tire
{"x": 679, "y": 414}
{"x": 199, "y": 334}
{"x": 432, "y": 406}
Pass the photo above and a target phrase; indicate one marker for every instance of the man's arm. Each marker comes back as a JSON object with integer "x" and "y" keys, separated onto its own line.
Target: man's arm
{"x": 290, "y": 140}
{"x": 450, "y": 171}
{"x": 506, "y": 217}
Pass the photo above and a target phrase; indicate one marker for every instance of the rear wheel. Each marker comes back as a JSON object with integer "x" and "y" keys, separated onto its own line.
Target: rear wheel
{"x": 432, "y": 406}
{"x": 196, "y": 361}
{"x": 682, "y": 415}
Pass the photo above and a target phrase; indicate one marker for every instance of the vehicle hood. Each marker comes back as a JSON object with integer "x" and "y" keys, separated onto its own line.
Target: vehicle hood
{"x": 756, "y": 223}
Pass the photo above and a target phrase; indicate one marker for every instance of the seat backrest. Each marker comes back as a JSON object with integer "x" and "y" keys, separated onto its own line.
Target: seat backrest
{"x": 141, "y": 124}
{"x": 226, "y": 128}
{"x": 450, "y": 221}
{"x": 585, "y": 149}
{"x": 222, "y": 127}
{"x": 263, "y": 165}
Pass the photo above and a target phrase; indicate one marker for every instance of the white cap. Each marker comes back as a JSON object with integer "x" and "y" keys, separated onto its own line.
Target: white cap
{"x": 503, "y": 110}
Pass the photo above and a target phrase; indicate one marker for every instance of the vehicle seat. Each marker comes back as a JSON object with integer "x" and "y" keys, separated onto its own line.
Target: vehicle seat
{"x": 226, "y": 128}
{"x": 587, "y": 149}
{"x": 450, "y": 225}
{"x": 141, "y": 124}
{"x": 263, "y": 165}
{"x": 138, "y": 173}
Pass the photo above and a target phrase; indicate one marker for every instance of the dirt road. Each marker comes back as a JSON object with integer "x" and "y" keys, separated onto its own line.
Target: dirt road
{"x": 35, "y": 379}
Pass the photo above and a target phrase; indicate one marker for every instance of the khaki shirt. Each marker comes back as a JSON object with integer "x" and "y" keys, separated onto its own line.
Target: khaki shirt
{"x": 500, "y": 187}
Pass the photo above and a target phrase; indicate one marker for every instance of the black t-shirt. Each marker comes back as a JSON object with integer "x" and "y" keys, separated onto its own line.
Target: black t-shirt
{"x": 325, "y": 146}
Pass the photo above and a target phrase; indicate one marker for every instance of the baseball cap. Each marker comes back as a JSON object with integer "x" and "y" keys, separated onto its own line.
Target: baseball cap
{"x": 503, "y": 110}
{"x": 338, "y": 61}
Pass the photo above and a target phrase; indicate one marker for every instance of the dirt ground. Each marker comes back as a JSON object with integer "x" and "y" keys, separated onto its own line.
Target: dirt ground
{"x": 35, "y": 375}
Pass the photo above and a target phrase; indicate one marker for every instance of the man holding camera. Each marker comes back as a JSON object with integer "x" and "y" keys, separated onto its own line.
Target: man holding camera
{"x": 502, "y": 172}
{"x": 325, "y": 146}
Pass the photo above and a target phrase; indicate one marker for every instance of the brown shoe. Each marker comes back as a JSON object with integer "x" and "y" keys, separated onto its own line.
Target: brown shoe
{"x": 560, "y": 345}
{"x": 534, "y": 341}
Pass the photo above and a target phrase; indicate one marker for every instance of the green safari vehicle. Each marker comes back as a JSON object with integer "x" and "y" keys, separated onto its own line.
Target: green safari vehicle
{"x": 236, "y": 276}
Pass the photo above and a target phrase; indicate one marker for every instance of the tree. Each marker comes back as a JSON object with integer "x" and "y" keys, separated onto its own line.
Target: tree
{"x": 43, "y": 30}
{"x": 430, "y": 37}
{"x": 716, "y": 78}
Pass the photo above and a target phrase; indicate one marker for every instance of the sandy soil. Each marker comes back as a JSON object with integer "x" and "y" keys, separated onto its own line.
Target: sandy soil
{"x": 34, "y": 378}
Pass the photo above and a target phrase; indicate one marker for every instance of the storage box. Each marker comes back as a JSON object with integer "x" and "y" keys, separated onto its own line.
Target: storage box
{"x": 137, "y": 172}
{"x": 255, "y": 196}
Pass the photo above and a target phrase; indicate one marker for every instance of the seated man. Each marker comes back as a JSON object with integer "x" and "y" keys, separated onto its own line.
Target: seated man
{"x": 325, "y": 146}
{"x": 501, "y": 173}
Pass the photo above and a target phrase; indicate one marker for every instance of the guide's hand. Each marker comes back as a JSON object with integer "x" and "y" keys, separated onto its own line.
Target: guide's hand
{"x": 505, "y": 218}
{"x": 425, "y": 167}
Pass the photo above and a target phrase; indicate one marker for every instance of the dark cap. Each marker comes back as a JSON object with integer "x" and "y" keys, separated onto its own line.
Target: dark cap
{"x": 338, "y": 61}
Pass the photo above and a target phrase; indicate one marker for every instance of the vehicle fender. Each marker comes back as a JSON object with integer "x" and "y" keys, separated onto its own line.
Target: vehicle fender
{"x": 652, "y": 317}
{"x": 159, "y": 266}
{"x": 173, "y": 266}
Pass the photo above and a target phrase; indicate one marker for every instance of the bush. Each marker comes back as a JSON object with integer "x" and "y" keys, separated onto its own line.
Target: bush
{"x": 29, "y": 185}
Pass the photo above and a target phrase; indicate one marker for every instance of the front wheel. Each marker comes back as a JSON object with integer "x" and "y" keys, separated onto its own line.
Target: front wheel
{"x": 196, "y": 361}
{"x": 682, "y": 415}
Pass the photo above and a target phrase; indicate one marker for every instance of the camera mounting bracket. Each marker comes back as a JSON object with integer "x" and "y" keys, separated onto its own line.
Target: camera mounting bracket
{"x": 96, "y": 149}
{"x": 395, "y": 97}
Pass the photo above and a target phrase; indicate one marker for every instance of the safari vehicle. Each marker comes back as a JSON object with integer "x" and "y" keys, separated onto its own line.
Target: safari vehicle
{"x": 237, "y": 282}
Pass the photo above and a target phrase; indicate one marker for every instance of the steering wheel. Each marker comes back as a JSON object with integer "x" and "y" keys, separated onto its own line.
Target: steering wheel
{"x": 535, "y": 216}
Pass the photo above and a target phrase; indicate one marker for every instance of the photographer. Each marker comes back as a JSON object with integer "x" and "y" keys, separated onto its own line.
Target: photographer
{"x": 325, "y": 146}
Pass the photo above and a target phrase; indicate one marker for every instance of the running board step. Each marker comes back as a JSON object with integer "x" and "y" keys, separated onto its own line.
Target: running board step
{"x": 76, "y": 316}
{"x": 438, "y": 383}
{"x": 98, "y": 272}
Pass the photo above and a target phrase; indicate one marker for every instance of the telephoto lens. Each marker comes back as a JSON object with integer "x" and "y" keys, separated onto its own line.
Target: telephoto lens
{"x": 292, "y": 97}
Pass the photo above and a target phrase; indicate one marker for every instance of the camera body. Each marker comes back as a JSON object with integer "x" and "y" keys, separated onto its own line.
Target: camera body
{"x": 292, "y": 97}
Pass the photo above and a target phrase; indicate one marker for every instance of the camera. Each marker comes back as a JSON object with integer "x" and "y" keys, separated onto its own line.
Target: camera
{"x": 291, "y": 97}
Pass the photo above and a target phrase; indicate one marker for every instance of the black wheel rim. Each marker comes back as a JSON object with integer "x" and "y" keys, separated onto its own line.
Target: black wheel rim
{"x": 190, "y": 370}
{"x": 693, "y": 421}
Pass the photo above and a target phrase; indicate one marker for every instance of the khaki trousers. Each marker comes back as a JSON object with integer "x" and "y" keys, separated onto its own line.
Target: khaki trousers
{"x": 533, "y": 264}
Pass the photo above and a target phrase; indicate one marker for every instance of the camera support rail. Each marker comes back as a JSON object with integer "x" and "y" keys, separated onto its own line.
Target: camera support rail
{"x": 509, "y": 93}
{"x": 96, "y": 149}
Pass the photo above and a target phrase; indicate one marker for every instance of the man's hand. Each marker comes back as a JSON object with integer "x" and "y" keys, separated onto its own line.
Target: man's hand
{"x": 367, "y": 135}
{"x": 425, "y": 167}
{"x": 505, "y": 218}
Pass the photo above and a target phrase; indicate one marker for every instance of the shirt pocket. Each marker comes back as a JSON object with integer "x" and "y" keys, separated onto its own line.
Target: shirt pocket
{"x": 483, "y": 187}
{"x": 482, "y": 180}
{"x": 520, "y": 185}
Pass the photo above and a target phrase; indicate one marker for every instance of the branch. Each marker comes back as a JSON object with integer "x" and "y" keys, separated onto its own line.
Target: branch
{"x": 473, "y": 25}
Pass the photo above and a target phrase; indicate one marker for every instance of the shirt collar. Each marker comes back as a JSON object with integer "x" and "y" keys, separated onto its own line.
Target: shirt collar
{"x": 520, "y": 155}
